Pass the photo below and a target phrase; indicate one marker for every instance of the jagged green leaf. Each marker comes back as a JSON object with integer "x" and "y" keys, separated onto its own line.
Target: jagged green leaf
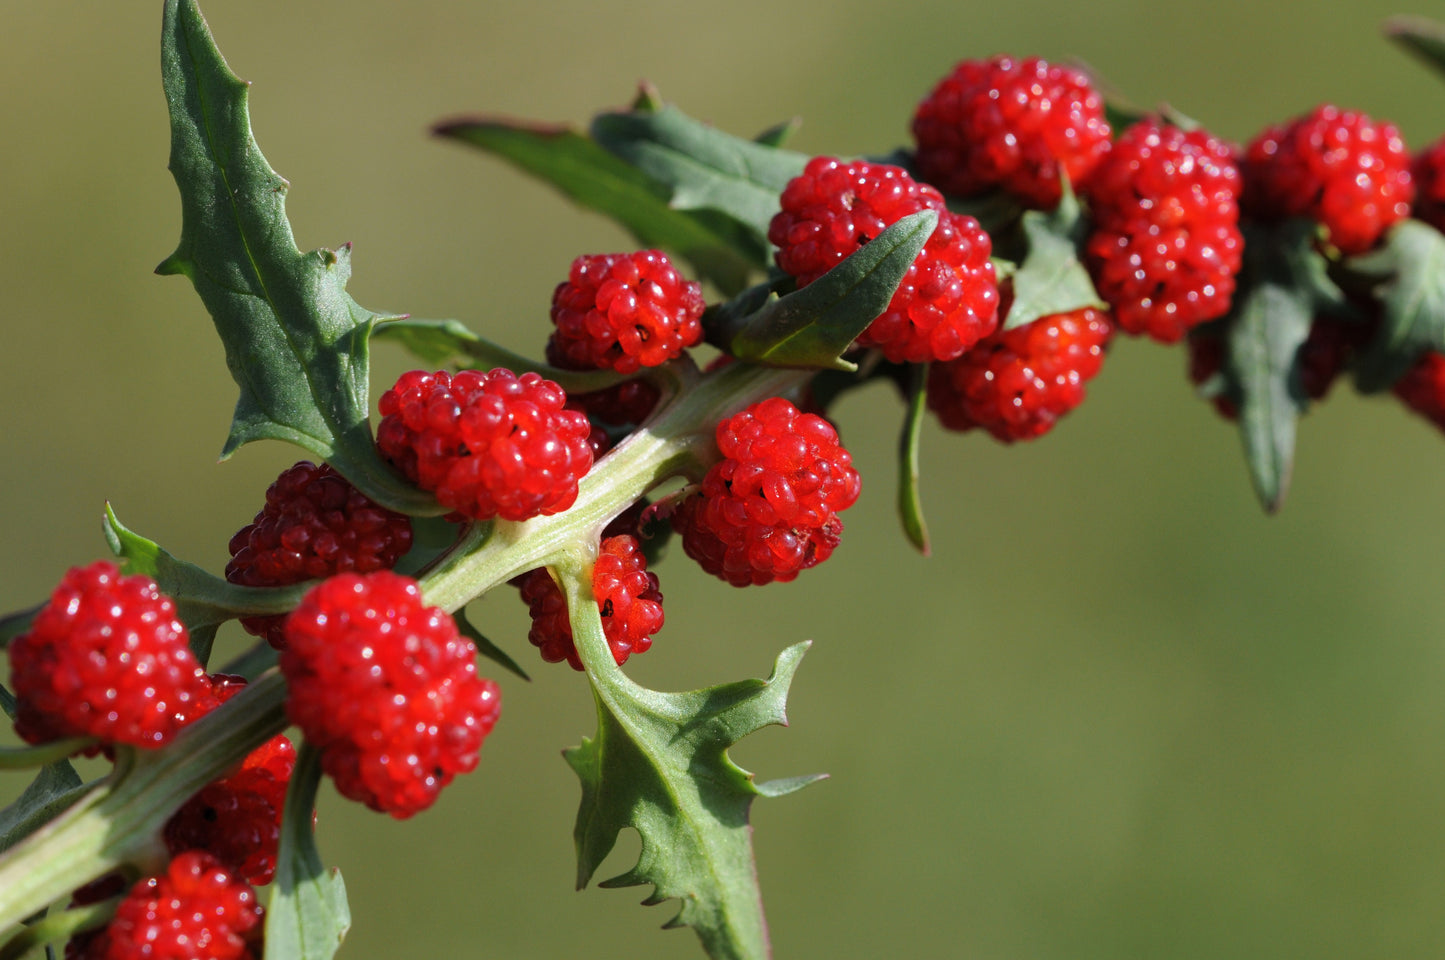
{"x": 439, "y": 342}
{"x": 307, "y": 916}
{"x": 296, "y": 343}
{"x": 910, "y": 502}
{"x": 1410, "y": 271}
{"x": 703, "y": 167}
{"x": 719, "y": 248}
{"x": 1051, "y": 278}
{"x": 659, "y": 764}
{"x": 1423, "y": 37}
{"x": 203, "y": 600}
{"x": 812, "y": 327}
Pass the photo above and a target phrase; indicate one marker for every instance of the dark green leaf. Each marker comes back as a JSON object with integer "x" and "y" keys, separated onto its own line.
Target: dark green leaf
{"x": 58, "y": 927}
{"x": 1410, "y": 270}
{"x": 910, "y": 503}
{"x": 54, "y": 789}
{"x": 1423, "y": 37}
{"x": 202, "y": 599}
{"x": 704, "y": 168}
{"x": 779, "y": 134}
{"x": 659, "y": 764}
{"x": 486, "y": 647}
{"x": 719, "y": 249}
{"x": 1051, "y": 279}
{"x": 14, "y": 624}
{"x": 812, "y": 327}
{"x": 307, "y": 916}
{"x": 296, "y": 343}
{"x": 439, "y": 342}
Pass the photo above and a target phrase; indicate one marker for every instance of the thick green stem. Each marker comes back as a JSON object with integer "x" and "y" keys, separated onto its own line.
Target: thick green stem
{"x": 120, "y": 821}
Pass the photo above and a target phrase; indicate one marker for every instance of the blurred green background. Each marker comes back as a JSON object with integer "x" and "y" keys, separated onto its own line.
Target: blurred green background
{"x": 1119, "y": 713}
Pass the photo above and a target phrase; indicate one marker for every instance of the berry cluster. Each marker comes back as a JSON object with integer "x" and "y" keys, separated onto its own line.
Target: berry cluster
{"x": 948, "y": 299}
{"x": 769, "y": 509}
{"x": 487, "y": 444}
{"x": 387, "y": 689}
{"x": 315, "y": 524}
{"x": 627, "y": 597}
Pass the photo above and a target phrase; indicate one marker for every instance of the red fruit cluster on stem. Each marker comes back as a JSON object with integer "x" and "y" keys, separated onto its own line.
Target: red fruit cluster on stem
{"x": 1335, "y": 166}
{"x": 1428, "y": 172}
{"x": 1015, "y": 124}
{"x": 487, "y": 444}
{"x": 314, "y": 525}
{"x": 387, "y": 689}
{"x": 1166, "y": 244}
{"x": 769, "y": 509}
{"x": 106, "y": 657}
{"x": 948, "y": 299}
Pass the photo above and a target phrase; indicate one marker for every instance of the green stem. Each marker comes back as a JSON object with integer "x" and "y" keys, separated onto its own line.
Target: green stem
{"x": 23, "y": 758}
{"x": 120, "y": 821}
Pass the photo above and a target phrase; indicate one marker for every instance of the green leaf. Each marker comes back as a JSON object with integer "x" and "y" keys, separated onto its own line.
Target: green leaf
{"x": 659, "y": 764}
{"x": 779, "y": 134}
{"x": 203, "y": 600}
{"x": 307, "y": 916}
{"x": 704, "y": 168}
{"x": 58, "y": 927}
{"x": 14, "y": 624}
{"x": 1423, "y": 37}
{"x": 1051, "y": 279}
{"x": 439, "y": 342}
{"x": 1409, "y": 268}
{"x": 910, "y": 503}
{"x": 486, "y": 647}
{"x": 718, "y": 248}
{"x": 296, "y": 343}
{"x": 54, "y": 788}
{"x": 812, "y": 327}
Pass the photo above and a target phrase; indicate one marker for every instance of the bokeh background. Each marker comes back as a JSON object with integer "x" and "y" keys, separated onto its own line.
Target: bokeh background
{"x": 1119, "y": 713}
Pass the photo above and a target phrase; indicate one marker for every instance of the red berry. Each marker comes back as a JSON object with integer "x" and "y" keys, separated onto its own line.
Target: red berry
{"x": 1428, "y": 172}
{"x": 769, "y": 508}
{"x": 627, "y": 596}
{"x": 1422, "y": 388}
{"x": 315, "y": 524}
{"x": 1017, "y": 383}
{"x": 1335, "y": 166}
{"x": 1166, "y": 244}
{"x": 631, "y": 401}
{"x": 624, "y": 311}
{"x": 196, "y": 910}
{"x": 1015, "y": 124}
{"x": 949, "y": 297}
{"x": 237, "y": 819}
{"x": 487, "y": 444}
{"x": 387, "y": 689}
{"x": 106, "y": 657}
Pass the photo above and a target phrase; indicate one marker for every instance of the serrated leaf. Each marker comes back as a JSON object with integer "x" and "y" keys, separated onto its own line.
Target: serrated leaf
{"x": 718, "y": 248}
{"x": 203, "y": 600}
{"x": 703, "y": 167}
{"x": 659, "y": 764}
{"x": 1410, "y": 265}
{"x": 1051, "y": 279}
{"x": 1423, "y": 37}
{"x": 296, "y": 343}
{"x": 439, "y": 342}
{"x": 486, "y": 647}
{"x": 910, "y": 503}
{"x": 812, "y": 327}
{"x": 307, "y": 916}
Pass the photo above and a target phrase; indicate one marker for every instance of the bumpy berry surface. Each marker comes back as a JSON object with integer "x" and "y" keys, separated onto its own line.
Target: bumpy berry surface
{"x": 1335, "y": 166}
{"x": 947, "y": 301}
{"x": 631, "y": 401}
{"x": 315, "y": 524}
{"x": 769, "y": 508}
{"x": 1017, "y": 383}
{"x": 237, "y": 819}
{"x": 627, "y": 596}
{"x": 1015, "y": 124}
{"x": 1422, "y": 388}
{"x": 196, "y": 910}
{"x": 387, "y": 689}
{"x": 1428, "y": 172}
{"x": 106, "y": 657}
{"x": 624, "y": 311}
{"x": 487, "y": 444}
{"x": 1166, "y": 244}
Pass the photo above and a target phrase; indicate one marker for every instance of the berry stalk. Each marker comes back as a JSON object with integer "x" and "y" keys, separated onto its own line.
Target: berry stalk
{"x": 120, "y": 821}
